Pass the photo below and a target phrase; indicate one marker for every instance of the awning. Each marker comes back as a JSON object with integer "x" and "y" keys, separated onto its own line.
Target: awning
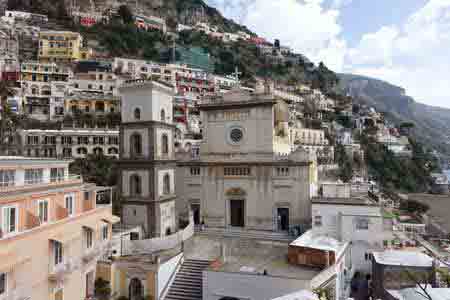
{"x": 111, "y": 219}
{"x": 92, "y": 224}
{"x": 9, "y": 260}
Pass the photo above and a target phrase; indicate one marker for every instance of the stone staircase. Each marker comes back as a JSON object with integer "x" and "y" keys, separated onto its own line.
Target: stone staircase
{"x": 246, "y": 234}
{"x": 187, "y": 284}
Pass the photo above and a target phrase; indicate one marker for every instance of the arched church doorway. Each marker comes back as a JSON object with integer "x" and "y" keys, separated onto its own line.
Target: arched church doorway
{"x": 136, "y": 291}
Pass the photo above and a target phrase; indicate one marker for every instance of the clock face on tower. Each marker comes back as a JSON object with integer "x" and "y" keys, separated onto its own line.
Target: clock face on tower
{"x": 235, "y": 135}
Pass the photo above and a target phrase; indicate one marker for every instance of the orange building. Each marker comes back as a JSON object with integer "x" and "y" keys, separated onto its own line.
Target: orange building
{"x": 54, "y": 230}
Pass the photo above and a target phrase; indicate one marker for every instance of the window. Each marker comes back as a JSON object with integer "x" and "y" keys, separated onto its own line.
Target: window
{"x": 88, "y": 237}
{"x": 236, "y": 171}
{"x": 166, "y": 184}
{"x": 87, "y": 195}
{"x": 32, "y": 140}
{"x": 7, "y": 178}
{"x": 10, "y": 219}
{"x": 105, "y": 232}
{"x": 43, "y": 211}
{"x": 236, "y": 135}
{"x": 66, "y": 140}
{"x": 57, "y": 253}
{"x": 137, "y": 114}
{"x": 135, "y": 185}
{"x": 282, "y": 171}
{"x": 195, "y": 171}
{"x": 318, "y": 221}
{"x": 34, "y": 176}
{"x": 163, "y": 115}
{"x": 3, "y": 282}
{"x": 136, "y": 144}
{"x": 165, "y": 144}
{"x": 69, "y": 204}
{"x": 56, "y": 174}
{"x": 362, "y": 223}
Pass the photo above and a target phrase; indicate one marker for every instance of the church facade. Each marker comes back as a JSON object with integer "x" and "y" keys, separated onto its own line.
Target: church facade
{"x": 146, "y": 162}
{"x": 245, "y": 175}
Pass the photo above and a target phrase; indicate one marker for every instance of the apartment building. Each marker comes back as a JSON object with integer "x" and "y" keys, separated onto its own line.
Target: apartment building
{"x": 75, "y": 143}
{"x": 95, "y": 82}
{"x": 54, "y": 230}
{"x": 62, "y": 46}
{"x": 150, "y": 23}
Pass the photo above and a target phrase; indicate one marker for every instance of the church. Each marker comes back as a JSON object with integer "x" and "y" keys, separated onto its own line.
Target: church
{"x": 245, "y": 175}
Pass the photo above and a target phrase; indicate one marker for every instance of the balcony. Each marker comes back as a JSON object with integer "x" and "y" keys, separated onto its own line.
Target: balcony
{"x": 58, "y": 272}
{"x": 33, "y": 184}
{"x": 96, "y": 252}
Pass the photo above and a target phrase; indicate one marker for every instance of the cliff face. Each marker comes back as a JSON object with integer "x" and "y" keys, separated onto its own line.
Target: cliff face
{"x": 432, "y": 124}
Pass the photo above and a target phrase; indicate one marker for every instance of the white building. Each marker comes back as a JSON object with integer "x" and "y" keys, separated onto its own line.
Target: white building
{"x": 353, "y": 219}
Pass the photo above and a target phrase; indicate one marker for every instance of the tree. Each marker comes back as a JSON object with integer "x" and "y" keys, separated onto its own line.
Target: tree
{"x": 125, "y": 14}
{"x": 414, "y": 206}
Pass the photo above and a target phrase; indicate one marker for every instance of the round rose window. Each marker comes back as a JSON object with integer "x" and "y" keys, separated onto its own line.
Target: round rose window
{"x": 236, "y": 135}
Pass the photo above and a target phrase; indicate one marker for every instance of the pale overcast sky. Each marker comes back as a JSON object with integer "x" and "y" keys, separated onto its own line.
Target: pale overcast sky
{"x": 404, "y": 42}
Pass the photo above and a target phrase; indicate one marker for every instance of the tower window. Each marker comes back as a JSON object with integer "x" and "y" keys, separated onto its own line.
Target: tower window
{"x": 163, "y": 115}
{"x": 165, "y": 144}
{"x": 166, "y": 184}
{"x": 136, "y": 144}
{"x": 137, "y": 114}
{"x": 135, "y": 185}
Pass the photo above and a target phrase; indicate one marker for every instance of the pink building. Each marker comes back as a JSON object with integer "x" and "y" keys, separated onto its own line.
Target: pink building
{"x": 54, "y": 230}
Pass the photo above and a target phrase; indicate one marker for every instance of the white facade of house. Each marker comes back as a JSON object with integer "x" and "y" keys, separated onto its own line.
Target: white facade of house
{"x": 357, "y": 223}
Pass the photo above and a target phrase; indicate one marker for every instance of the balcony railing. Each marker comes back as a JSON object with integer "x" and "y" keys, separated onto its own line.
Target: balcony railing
{"x": 99, "y": 250}
{"x": 58, "y": 272}
{"x": 35, "y": 183}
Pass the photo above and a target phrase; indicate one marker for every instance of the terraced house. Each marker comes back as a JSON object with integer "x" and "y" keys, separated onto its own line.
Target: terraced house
{"x": 53, "y": 230}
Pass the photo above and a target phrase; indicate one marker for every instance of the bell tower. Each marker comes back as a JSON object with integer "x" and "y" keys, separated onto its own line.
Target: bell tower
{"x": 147, "y": 161}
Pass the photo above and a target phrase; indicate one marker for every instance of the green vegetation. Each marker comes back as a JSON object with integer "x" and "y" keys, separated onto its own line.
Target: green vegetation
{"x": 102, "y": 289}
{"x": 98, "y": 169}
{"x": 345, "y": 163}
{"x": 396, "y": 173}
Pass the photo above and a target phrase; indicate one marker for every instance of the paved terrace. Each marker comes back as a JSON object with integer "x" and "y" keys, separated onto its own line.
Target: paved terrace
{"x": 246, "y": 255}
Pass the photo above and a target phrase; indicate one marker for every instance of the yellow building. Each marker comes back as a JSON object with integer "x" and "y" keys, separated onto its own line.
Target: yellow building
{"x": 54, "y": 229}
{"x": 62, "y": 46}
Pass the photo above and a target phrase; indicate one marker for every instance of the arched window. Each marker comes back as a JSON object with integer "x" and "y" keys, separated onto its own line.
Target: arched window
{"x": 166, "y": 184}
{"x": 165, "y": 144}
{"x": 136, "y": 144}
{"x": 163, "y": 115}
{"x": 137, "y": 114}
{"x": 135, "y": 185}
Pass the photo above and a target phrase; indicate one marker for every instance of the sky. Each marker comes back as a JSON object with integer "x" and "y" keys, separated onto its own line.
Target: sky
{"x": 404, "y": 42}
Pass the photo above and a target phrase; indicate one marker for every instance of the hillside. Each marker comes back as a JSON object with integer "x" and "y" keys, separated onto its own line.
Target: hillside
{"x": 179, "y": 11}
{"x": 432, "y": 124}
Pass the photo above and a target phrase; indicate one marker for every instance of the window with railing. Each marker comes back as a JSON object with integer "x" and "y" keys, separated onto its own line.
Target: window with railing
{"x": 34, "y": 176}
{"x": 10, "y": 219}
{"x": 318, "y": 221}
{"x": 43, "y": 211}
{"x": 88, "y": 235}
{"x": 7, "y": 178}
{"x": 236, "y": 171}
{"x": 32, "y": 140}
{"x": 57, "y": 253}
{"x": 57, "y": 174}
{"x": 69, "y": 204}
